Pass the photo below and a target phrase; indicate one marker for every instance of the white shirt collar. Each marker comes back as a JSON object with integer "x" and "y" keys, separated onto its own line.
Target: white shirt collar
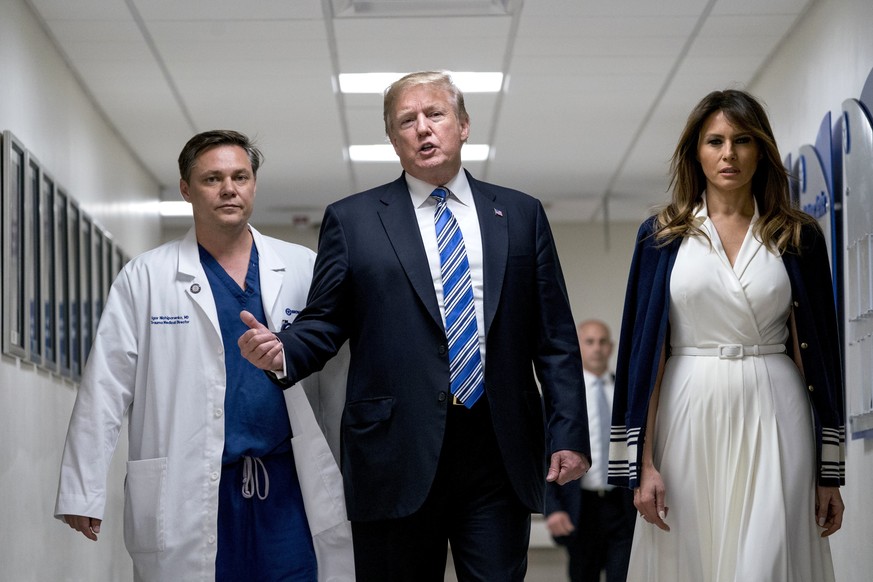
{"x": 421, "y": 190}
{"x": 591, "y": 376}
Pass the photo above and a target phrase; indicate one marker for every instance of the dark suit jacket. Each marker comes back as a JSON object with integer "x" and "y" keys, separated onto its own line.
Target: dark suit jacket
{"x": 372, "y": 286}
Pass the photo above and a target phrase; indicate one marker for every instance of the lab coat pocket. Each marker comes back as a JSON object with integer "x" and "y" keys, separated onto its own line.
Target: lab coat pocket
{"x": 144, "y": 505}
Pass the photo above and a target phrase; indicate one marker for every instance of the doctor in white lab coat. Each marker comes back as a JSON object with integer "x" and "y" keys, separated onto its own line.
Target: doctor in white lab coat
{"x": 158, "y": 355}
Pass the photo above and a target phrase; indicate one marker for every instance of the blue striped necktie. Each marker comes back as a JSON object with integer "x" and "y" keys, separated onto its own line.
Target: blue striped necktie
{"x": 465, "y": 360}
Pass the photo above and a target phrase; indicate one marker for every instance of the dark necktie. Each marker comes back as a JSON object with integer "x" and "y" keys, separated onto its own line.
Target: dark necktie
{"x": 465, "y": 360}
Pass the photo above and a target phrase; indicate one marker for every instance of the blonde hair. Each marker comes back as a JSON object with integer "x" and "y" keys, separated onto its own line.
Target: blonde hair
{"x": 437, "y": 79}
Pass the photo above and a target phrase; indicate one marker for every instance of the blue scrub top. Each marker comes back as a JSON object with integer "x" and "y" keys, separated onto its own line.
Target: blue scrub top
{"x": 256, "y": 420}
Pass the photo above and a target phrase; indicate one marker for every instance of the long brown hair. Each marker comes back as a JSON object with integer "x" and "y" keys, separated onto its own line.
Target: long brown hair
{"x": 779, "y": 223}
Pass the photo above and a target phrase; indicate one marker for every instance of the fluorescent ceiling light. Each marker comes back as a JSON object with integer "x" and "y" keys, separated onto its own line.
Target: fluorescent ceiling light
{"x": 383, "y": 152}
{"x": 377, "y": 82}
{"x": 421, "y": 8}
{"x": 171, "y": 208}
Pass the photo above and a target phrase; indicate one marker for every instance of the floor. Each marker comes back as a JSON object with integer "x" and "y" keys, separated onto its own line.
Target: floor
{"x": 544, "y": 565}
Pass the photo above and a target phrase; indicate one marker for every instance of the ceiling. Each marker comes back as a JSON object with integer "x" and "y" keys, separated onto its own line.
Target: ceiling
{"x": 595, "y": 95}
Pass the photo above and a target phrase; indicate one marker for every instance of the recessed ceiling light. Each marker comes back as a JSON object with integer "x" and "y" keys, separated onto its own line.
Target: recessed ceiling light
{"x": 468, "y": 82}
{"x": 383, "y": 152}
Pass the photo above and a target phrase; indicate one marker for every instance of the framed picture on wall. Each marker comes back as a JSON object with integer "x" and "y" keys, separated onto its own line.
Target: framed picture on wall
{"x": 48, "y": 289}
{"x": 106, "y": 260}
{"x": 119, "y": 259}
{"x": 74, "y": 285}
{"x": 86, "y": 288}
{"x": 108, "y": 272}
{"x": 63, "y": 299}
{"x": 98, "y": 274}
{"x": 32, "y": 260}
{"x": 14, "y": 189}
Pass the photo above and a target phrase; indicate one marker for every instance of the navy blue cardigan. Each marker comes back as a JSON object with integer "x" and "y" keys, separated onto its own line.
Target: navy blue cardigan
{"x": 644, "y": 329}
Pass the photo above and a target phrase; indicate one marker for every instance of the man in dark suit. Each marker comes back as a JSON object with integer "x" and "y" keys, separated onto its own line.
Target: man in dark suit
{"x": 595, "y": 522}
{"x": 451, "y": 296}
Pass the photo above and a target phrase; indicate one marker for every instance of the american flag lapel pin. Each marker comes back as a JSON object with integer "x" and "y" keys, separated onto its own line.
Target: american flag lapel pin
{"x": 498, "y": 212}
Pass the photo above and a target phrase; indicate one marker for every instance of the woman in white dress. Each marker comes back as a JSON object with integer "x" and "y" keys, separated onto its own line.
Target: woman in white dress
{"x": 728, "y": 419}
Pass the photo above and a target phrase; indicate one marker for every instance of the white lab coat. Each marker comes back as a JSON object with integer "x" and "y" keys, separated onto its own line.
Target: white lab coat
{"x": 158, "y": 355}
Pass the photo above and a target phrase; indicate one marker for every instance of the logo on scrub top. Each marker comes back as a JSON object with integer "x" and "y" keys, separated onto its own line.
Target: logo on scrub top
{"x": 291, "y": 313}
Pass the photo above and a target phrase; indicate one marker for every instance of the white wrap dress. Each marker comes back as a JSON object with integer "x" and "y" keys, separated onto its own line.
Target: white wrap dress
{"x": 734, "y": 435}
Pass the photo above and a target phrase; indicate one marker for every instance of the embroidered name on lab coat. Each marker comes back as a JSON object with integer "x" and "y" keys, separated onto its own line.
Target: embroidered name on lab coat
{"x": 170, "y": 319}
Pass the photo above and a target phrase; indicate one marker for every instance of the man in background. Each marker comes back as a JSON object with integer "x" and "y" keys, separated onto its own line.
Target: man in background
{"x": 594, "y": 522}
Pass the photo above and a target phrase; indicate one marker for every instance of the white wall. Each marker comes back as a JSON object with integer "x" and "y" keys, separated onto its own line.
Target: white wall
{"x": 596, "y": 262}
{"x": 44, "y": 106}
{"x": 825, "y": 61}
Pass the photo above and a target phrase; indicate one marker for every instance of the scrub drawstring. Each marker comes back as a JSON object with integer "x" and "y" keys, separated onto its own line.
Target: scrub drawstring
{"x": 250, "y": 483}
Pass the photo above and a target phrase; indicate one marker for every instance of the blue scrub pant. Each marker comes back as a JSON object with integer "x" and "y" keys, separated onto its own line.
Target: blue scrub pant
{"x": 265, "y": 540}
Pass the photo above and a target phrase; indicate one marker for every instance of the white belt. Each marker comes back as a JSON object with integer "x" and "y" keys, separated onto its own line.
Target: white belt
{"x": 729, "y": 351}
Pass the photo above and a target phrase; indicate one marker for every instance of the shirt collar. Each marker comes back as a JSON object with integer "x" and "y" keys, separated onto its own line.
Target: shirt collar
{"x": 590, "y": 377}
{"x": 701, "y": 214}
{"x": 458, "y": 186}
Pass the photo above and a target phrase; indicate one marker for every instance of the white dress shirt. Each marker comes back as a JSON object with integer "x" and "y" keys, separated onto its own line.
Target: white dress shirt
{"x": 460, "y": 202}
{"x": 593, "y": 480}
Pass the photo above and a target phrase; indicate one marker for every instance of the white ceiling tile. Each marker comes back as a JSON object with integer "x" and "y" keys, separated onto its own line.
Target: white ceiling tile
{"x": 230, "y": 10}
{"x": 96, "y": 32}
{"x": 100, "y": 10}
{"x": 795, "y": 7}
{"x": 425, "y": 34}
{"x": 627, "y": 8}
{"x": 635, "y": 29}
{"x": 404, "y": 45}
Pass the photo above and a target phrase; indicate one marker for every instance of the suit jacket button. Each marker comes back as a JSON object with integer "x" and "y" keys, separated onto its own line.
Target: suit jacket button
{"x": 811, "y": 388}
{"x": 804, "y": 345}
{"x": 442, "y": 397}
{"x": 442, "y": 350}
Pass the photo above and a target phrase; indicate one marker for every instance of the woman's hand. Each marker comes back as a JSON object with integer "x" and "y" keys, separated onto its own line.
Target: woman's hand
{"x": 828, "y": 509}
{"x": 650, "y": 497}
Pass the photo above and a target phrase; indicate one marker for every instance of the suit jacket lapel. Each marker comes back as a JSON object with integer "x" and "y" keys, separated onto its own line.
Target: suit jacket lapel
{"x": 495, "y": 245}
{"x": 401, "y": 225}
